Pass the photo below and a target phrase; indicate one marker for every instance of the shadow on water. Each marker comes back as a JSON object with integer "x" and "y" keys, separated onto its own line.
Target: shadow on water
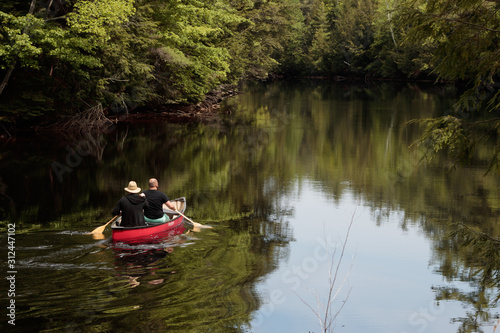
{"x": 141, "y": 262}
{"x": 72, "y": 282}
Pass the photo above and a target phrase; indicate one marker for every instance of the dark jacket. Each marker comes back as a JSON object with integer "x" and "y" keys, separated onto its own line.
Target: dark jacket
{"x": 131, "y": 207}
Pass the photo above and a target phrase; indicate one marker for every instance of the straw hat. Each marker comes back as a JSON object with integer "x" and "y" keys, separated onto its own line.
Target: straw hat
{"x": 132, "y": 187}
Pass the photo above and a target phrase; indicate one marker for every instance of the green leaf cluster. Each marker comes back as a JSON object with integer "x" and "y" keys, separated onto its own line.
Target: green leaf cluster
{"x": 16, "y": 44}
{"x": 445, "y": 134}
{"x": 94, "y": 18}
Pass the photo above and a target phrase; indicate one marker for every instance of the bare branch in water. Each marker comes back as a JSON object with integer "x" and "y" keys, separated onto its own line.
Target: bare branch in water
{"x": 86, "y": 127}
{"x": 324, "y": 313}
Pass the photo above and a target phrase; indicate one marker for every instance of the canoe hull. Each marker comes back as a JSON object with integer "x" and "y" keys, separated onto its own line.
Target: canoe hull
{"x": 151, "y": 232}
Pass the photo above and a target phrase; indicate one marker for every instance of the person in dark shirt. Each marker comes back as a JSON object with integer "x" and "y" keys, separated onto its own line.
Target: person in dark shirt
{"x": 131, "y": 206}
{"x": 154, "y": 212}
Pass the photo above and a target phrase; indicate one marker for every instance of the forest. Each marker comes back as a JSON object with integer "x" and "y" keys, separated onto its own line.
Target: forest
{"x": 75, "y": 59}
{"x": 63, "y": 57}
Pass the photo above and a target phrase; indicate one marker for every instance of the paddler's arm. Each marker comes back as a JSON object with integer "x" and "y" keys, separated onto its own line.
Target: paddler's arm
{"x": 117, "y": 210}
{"x": 170, "y": 205}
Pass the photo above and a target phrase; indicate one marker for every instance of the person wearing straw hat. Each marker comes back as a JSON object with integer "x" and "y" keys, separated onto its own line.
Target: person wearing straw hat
{"x": 131, "y": 206}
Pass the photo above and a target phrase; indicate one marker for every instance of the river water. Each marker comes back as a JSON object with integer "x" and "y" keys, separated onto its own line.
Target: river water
{"x": 323, "y": 218}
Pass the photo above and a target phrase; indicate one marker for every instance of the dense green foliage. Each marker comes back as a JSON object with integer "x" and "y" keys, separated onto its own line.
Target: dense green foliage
{"x": 63, "y": 57}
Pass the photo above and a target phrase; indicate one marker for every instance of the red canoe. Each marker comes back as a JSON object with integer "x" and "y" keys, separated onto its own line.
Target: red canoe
{"x": 152, "y": 232}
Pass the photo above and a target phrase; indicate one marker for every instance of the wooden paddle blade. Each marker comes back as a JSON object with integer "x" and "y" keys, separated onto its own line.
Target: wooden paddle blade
{"x": 201, "y": 226}
{"x": 198, "y": 225}
{"x": 98, "y": 236}
{"x": 100, "y": 230}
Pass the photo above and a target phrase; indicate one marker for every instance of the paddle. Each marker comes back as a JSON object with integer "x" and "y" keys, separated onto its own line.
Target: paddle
{"x": 197, "y": 225}
{"x": 100, "y": 229}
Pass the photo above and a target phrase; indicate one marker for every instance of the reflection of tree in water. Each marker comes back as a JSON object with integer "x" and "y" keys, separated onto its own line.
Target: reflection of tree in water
{"x": 473, "y": 257}
{"x": 213, "y": 289}
{"x": 235, "y": 174}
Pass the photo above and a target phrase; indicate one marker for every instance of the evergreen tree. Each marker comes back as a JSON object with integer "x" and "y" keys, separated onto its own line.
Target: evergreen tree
{"x": 269, "y": 38}
{"x": 312, "y": 46}
{"x": 353, "y": 34}
{"x": 465, "y": 41}
{"x": 390, "y": 56}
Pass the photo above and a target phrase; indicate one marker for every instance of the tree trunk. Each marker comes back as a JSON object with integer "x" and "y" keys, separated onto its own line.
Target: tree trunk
{"x": 6, "y": 79}
{"x": 32, "y": 7}
{"x": 389, "y": 18}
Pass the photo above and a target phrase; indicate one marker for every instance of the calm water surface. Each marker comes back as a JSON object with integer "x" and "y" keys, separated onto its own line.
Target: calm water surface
{"x": 312, "y": 190}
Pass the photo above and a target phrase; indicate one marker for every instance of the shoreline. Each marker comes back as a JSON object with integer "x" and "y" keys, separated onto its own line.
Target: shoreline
{"x": 99, "y": 120}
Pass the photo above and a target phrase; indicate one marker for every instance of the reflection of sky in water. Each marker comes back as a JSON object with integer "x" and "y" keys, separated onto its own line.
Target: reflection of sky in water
{"x": 387, "y": 269}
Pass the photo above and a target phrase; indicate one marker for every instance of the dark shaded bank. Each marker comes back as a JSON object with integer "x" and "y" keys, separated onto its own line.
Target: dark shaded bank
{"x": 207, "y": 110}
{"x": 98, "y": 119}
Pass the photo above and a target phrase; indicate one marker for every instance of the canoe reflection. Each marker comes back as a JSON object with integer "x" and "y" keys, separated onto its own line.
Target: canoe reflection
{"x": 148, "y": 263}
